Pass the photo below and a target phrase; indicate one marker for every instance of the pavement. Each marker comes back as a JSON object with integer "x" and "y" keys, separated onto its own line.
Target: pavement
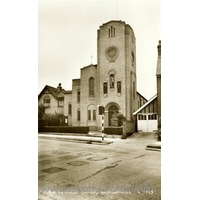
{"x": 156, "y": 146}
{"x": 96, "y": 138}
{"x": 78, "y": 138}
{"x": 124, "y": 163}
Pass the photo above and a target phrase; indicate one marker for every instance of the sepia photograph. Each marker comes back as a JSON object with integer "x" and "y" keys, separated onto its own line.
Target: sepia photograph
{"x": 81, "y": 99}
{"x": 99, "y": 99}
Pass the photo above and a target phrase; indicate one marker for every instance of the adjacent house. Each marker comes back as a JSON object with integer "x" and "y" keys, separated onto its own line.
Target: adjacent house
{"x": 149, "y": 115}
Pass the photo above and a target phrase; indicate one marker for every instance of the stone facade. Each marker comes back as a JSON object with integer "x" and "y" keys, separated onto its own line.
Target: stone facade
{"x": 111, "y": 83}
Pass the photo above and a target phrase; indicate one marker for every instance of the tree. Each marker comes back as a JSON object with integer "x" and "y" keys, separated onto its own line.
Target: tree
{"x": 41, "y": 111}
{"x": 121, "y": 118}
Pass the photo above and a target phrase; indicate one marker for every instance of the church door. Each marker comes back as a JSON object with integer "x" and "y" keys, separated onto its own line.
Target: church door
{"x": 113, "y": 116}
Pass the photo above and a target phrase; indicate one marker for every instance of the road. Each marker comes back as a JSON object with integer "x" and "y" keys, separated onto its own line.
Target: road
{"x": 121, "y": 170}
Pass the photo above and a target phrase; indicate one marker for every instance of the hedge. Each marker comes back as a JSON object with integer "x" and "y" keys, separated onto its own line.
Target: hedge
{"x": 64, "y": 129}
{"x": 113, "y": 130}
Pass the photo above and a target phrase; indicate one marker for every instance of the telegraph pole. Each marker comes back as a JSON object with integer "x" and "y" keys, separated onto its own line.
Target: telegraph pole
{"x": 101, "y": 112}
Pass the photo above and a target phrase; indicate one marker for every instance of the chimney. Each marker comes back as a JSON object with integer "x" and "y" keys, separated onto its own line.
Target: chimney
{"x": 159, "y": 48}
{"x": 59, "y": 88}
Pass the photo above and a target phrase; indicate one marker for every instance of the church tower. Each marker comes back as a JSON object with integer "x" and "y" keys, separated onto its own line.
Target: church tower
{"x": 116, "y": 70}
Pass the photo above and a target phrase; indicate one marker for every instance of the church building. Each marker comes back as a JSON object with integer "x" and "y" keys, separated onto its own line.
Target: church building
{"x": 111, "y": 83}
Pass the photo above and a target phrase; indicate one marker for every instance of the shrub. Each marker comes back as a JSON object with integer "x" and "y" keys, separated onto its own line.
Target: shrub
{"x": 64, "y": 129}
{"x": 113, "y": 130}
{"x": 54, "y": 119}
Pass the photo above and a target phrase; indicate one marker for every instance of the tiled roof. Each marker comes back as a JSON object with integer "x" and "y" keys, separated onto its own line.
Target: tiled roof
{"x": 53, "y": 91}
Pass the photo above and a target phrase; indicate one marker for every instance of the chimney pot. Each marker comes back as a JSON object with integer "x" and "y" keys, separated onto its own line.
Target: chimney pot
{"x": 59, "y": 88}
{"x": 159, "y": 48}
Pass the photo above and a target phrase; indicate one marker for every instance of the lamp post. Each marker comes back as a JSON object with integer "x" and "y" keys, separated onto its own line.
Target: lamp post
{"x": 101, "y": 112}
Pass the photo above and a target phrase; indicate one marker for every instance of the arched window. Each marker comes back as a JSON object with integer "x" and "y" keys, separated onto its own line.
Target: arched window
{"x": 112, "y": 81}
{"x": 118, "y": 87}
{"x": 91, "y": 86}
{"x": 47, "y": 101}
{"x": 69, "y": 108}
{"x": 105, "y": 88}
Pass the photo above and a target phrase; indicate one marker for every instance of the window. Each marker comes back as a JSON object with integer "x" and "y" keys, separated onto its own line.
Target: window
{"x": 132, "y": 58}
{"x": 60, "y": 103}
{"x": 78, "y": 96}
{"x": 78, "y": 114}
{"x": 118, "y": 87}
{"x": 142, "y": 117}
{"x": 154, "y": 116}
{"x": 94, "y": 115}
{"x": 134, "y": 90}
{"x": 47, "y": 101}
{"x": 69, "y": 108}
{"x": 91, "y": 86}
{"x": 111, "y": 32}
{"x": 112, "y": 81}
{"x": 105, "y": 88}
{"x": 89, "y": 114}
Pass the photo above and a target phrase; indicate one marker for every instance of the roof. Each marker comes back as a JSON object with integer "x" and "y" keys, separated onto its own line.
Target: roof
{"x": 142, "y": 96}
{"x": 146, "y": 104}
{"x": 68, "y": 92}
{"x": 89, "y": 66}
{"x": 53, "y": 91}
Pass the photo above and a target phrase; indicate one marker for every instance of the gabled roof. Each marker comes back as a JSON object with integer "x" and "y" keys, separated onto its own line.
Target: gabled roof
{"x": 53, "y": 91}
{"x": 146, "y": 104}
{"x": 89, "y": 66}
{"x": 141, "y": 96}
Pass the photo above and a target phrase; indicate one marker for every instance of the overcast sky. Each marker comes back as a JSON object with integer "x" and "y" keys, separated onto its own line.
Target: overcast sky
{"x": 67, "y": 37}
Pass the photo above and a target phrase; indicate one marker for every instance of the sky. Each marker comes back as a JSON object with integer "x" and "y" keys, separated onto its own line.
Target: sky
{"x": 67, "y": 38}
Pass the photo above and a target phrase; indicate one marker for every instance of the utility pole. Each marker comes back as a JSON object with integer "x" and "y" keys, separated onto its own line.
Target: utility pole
{"x": 101, "y": 112}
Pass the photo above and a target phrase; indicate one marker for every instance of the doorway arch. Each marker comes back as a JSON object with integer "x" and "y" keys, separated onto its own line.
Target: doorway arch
{"x": 113, "y": 115}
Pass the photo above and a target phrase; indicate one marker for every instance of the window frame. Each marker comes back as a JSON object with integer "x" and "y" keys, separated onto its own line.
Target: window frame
{"x": 91, "y": 87}
{"x": 59, "y": 105}
{"x": 69, "y": 108}
{"x": 94, "y": 115}
{"x": 78, "y": 114}
{"x": 89, "y": 115}
{"x": 45, "y": 99}
{"x": 78, "y": 95}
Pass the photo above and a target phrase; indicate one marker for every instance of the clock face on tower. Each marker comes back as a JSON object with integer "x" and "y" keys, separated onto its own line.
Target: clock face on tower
{"x": 112, "y": 53}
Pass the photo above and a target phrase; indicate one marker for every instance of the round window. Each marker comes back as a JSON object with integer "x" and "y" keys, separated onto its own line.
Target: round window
{"x": 112, "y": 53}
